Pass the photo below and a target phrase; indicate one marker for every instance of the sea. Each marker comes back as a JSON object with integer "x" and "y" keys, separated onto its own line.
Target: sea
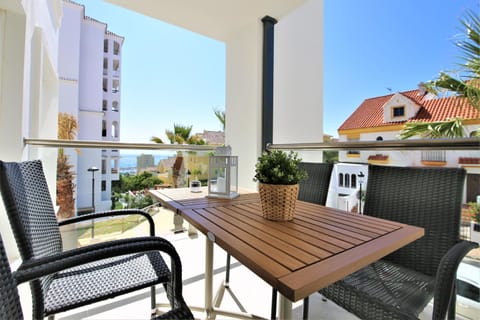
{"x": 128, "y": 162}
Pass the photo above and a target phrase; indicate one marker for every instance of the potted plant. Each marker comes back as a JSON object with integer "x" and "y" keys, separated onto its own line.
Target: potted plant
{"x": 474, "y": 210}
{"x": 278, "y": 174}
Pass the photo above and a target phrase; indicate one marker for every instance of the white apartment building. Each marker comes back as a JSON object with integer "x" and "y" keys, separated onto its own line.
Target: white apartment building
{"x": 89, "y": 61}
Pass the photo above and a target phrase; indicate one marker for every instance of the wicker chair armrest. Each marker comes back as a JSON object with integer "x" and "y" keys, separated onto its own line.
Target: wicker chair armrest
{"x": 111, "y": 213}
{"x": 446, "y": 276}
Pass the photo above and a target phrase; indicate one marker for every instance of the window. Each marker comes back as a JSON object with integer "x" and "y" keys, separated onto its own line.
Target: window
{"x": 104, "y": 105}
{"x": 398, "y": 111}
{"x": 116, "y": 48}
{"x": 105, "y": 45}
{"x": 105, "y": 84}
{"x": 104, "y": 166}
{"x": 347, "y": 180}
{"x": 379, "y": 138}
{"x": 104, "y": 128}
{"x": 105, "y": 66}
{"x": 104, "y": 185}
{"x": 115, "y": 106}
{"x": 115, "y": 129}
{"x": 353, "y": 181}
{"x": 340, "y": 179}
{"x": 115, "y": 86}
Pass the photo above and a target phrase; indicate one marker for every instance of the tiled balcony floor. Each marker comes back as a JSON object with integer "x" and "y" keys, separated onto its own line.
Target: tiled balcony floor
{"x": 253, "y": 293}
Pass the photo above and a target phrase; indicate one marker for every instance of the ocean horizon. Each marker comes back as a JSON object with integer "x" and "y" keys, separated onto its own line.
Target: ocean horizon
{"x": 129, "y": 161}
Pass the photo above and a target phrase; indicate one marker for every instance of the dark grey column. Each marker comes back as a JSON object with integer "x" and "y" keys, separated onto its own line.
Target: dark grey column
{"x": 267, "y": 80}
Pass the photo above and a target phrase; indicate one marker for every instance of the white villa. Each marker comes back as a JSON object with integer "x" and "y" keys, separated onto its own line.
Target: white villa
{"x": 382, "y": 118}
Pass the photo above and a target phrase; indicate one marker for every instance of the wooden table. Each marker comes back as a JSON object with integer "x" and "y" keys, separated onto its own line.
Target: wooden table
{"x": 320, "y": 246}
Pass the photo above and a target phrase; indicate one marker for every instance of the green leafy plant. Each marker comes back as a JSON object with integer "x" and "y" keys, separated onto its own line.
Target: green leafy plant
{"x": 278, "y": 167}
{"x": 474, "y": 209}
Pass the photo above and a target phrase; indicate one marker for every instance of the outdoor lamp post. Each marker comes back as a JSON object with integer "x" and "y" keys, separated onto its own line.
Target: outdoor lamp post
{"x": 360, "y": 181}
{"x": 93, "y": 170}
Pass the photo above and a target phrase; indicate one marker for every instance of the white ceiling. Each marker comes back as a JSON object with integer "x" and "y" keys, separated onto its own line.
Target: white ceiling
{"x": 217, "y": 19}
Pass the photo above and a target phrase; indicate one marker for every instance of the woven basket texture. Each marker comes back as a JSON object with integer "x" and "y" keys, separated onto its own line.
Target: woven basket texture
{"x": 278, "y": 201}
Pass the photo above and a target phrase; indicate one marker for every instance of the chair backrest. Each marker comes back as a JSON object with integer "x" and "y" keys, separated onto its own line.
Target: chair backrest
{"x": 10, "y": 302}
{"x": 426, "y": 197}
{"x": 30, "y": 211}
{"x": 315, "y": 188}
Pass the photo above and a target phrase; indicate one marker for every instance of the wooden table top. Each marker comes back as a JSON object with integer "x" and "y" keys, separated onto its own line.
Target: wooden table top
{"x": 318, "y": 247}
{"x": 182, "y": 198}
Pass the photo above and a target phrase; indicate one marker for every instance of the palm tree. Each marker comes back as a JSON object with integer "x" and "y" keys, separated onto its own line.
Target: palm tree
{"x": 464, "y": 84}
{"x": 220, "y": 114}
{"x": 67, "y": 128}
{"x": 180, "y": 135}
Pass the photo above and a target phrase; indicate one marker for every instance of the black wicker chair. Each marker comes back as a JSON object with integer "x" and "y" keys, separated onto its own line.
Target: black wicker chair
{"x": 314, "y": 189}
{"x": 32, "y": 218}
{"x": 10, "y": 307}
{"x": 401, "y": 285}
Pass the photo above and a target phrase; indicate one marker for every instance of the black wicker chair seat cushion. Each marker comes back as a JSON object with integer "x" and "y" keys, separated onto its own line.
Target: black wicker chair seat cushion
{"x": 80, "y": 285}
{"x": 383, "y": 290}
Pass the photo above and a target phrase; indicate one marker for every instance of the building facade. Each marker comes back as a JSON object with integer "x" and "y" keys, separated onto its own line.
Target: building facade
{"x": 89, "y": 61}
{"x": 383, "y": 118}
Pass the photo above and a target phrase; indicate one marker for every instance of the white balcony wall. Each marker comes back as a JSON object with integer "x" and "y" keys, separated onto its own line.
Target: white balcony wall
{"x": 244, "y": 99}
{"x": 298, "y": 83}
{"x": 28, "y": 86}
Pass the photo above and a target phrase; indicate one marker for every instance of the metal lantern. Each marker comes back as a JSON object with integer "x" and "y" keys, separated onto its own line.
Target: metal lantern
{"x": 223, "y": 176}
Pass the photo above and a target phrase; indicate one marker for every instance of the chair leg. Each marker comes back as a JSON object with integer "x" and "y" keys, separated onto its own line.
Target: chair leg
{"x": 305, "y": 308}
{"x": 273, "y": 312}
{"x": 153, "y": 300}
{"x": 227, "y": 271}
{"x": 453, "y": 303}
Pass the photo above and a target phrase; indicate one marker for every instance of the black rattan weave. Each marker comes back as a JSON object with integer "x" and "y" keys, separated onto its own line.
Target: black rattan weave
{"x": 401, "y": 285}
{"x": 9, "y": 301}
{"x": 32, "y": 217}
{"x": 314, "y": 189}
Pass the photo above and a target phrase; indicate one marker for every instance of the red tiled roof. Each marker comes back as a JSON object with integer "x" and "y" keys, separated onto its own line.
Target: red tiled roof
{"x": 370, "y": 113}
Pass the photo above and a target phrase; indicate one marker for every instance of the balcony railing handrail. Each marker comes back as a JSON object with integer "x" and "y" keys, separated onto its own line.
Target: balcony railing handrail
{"x": 60, "y": 143}
{"x": 412, "y": 144}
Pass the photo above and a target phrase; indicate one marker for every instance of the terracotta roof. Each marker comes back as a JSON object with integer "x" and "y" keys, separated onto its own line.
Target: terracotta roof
{"x": 213, "y": 137}
{"x": 370, "y": 113}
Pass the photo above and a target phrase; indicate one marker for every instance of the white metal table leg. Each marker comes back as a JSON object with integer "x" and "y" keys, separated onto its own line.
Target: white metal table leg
{"x": 284, "y": 308}
{"x": 208, "y": 276}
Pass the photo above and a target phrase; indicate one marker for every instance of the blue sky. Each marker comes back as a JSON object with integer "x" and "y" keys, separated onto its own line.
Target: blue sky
{"x": 171, "y": 75}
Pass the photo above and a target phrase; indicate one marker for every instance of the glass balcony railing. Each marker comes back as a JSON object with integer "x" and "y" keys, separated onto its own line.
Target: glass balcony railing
{"x": 119, "y": 160}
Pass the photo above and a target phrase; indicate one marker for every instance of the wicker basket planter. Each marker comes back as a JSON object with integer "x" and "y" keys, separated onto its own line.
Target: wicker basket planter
{"x": 278, "y": 201}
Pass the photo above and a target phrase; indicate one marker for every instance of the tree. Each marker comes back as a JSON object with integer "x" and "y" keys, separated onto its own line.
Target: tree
{"x": 441, "y": 129}
{"x": 180, "y": 135}
{"x": 464, "y": 83}
{"x": 67, "y": 129}
{"x": 220, "y": 114}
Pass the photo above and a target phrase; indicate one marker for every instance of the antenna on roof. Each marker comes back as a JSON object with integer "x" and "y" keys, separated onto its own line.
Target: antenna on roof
{"x": 389, "y": 89}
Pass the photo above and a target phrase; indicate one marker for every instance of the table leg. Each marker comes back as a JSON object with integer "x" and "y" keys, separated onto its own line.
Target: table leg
{"x": 208, "y": 276}
{"x": 284, "y": 308}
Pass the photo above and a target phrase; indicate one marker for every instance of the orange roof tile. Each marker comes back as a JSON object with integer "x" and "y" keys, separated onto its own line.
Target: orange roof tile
{"x": 370, "y": 113}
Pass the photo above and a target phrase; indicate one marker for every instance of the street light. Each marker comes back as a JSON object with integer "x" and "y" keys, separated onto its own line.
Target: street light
{"x": 360, "y": 181}
{"x": 93, "y": 170}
